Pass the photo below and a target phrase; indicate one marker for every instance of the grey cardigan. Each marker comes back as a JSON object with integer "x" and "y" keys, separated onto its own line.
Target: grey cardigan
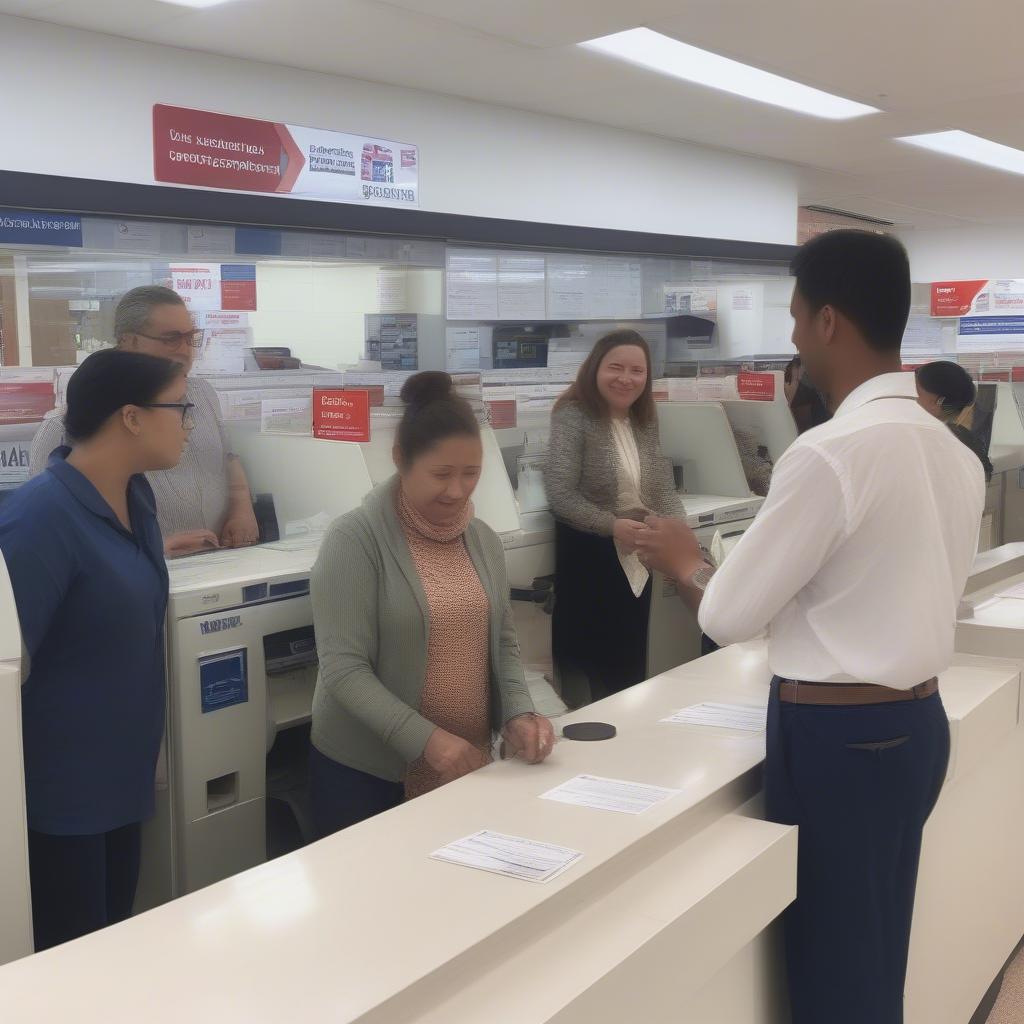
{"x": 372, "y": 622}
{"x": 581, "y": 473}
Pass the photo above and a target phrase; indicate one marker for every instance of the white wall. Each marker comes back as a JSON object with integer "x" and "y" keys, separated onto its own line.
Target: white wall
{"x": 965, "y": 254}
{"x": 80, "y": 104}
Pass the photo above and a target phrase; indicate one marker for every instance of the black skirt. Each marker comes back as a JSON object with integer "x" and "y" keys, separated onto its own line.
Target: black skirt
{"x": 599, "y": 628}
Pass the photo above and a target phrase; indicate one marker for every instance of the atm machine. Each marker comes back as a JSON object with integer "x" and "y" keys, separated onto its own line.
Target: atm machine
{"x": 15, "y": 894}
{"x": 698, "y": 440}
{"x": 242, "y": 667}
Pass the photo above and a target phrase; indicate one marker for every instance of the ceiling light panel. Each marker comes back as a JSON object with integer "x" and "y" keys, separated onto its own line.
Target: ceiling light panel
{"x": 668, "y": 56}
{"x": 974, "y": 148}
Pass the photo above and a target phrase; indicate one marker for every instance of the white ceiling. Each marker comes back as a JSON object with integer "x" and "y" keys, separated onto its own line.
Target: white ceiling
{"x": 928, "y": 64}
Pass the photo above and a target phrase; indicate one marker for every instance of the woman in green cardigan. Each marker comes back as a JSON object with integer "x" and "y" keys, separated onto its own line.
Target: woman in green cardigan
{"x": 419, "y": 661}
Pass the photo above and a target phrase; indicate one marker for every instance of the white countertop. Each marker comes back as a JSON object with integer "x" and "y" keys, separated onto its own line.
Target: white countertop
{"x": 1005, "y": 457}
{"x": 365, "y": 918}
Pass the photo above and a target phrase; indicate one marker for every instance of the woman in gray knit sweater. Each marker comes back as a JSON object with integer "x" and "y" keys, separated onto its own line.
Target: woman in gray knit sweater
{"x": 419, "y": 661}
{"x": 604, "y": 474}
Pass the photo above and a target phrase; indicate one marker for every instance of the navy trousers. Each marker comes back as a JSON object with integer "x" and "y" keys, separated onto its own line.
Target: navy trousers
{"x": 860, "y": 783}
{"x": 343, "y": 796}
{"x": 81, "y": 883}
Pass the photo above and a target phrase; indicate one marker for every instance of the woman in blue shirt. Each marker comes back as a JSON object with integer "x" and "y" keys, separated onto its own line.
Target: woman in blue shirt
{"x": 86, "y": 562}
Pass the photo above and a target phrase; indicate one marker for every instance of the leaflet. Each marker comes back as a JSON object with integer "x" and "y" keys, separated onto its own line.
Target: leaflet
{"x": 610, "y": 794}
{"x": 509, "y": 855}
{"x": 748, "y": 717}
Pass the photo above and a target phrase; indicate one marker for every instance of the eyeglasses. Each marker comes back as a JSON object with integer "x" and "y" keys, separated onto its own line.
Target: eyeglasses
{"x": 185, "y": 407}
{"x": 194, "y": 339}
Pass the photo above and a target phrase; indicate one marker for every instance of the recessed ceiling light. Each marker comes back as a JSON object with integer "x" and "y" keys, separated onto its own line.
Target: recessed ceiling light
{"x": 971, "y": 147}
{"x": 669, "y": 56}
{"x": 196, "y": 3}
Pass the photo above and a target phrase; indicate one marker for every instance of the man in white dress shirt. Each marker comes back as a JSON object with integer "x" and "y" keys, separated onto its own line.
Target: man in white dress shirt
{"x": 855, "y": 567}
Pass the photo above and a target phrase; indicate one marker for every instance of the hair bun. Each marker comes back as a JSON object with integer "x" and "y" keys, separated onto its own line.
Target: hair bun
{"x": 424, "y": 388}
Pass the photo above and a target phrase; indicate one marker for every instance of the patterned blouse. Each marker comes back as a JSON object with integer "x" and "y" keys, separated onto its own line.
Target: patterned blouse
{"x": 455, "y": 691}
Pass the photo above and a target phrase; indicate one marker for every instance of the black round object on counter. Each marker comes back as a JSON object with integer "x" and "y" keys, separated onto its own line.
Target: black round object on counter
{"x": 588, "y": 731}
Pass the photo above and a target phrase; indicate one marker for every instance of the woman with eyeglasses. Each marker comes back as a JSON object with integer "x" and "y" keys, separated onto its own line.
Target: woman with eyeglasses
{"x": 85, "y": 557}
{"x": 204, "y": 502}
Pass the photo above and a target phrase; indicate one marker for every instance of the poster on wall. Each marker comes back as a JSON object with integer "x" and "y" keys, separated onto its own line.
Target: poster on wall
{"x": 198, "y": 284}
{"x": 688, "y": 298}
{"x": 222, "y": 151}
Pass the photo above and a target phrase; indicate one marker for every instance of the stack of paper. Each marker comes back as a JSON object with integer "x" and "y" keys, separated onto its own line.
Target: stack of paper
{"x": 509, "y": 855}
{"x": 751, "y": 718}
{"x": 609, "y": 794}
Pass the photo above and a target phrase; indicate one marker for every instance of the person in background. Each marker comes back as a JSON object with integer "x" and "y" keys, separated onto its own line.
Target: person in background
{"x": 85, "y": 557}
{"x": 855, "y": 565}
{"x": 946, "y": 390}
{"x": 604, "y": 475}
{"x": 805, "y": 401}
{"x": 419, "y": 659}
{"x": 204, "y": 501}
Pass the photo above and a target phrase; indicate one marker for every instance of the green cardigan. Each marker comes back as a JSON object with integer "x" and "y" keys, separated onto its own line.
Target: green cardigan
{"x": 372, "y": 623}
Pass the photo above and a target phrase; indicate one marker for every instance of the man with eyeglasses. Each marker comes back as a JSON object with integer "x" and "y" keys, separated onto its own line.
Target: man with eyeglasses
{"x": 204, "y": 502}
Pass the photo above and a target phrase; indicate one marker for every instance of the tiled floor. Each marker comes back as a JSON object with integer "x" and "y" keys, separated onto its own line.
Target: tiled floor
{"x": 1009, "y": 1006}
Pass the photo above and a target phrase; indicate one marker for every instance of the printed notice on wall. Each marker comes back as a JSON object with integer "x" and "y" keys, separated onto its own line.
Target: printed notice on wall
{"x": 471, "y": 280}
{"x": 462, "y": 348}
{"x": 593, "y": 288}
{"x": 521, "y": 293}
{"x": 923, "y": 336}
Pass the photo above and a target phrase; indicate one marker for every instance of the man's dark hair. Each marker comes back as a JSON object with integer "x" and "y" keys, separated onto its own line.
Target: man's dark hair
{"x": 863, "y": 275}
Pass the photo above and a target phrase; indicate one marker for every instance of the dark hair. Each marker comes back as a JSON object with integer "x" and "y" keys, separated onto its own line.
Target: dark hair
{"x": 863, "y": 275}
{"x": 433, "y": 412}
{"x": 135, "y": 308}
{"x": 584, "y": 389}
{"x": 950, "y": 382}
{"x": 108, "y": 381}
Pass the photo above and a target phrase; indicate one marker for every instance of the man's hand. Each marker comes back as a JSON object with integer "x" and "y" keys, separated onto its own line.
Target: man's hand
{"x": 669, "y": 546}
{"x": 188, "y": 543}
{"x": 530, "y": 737}
{"x": 241, "y": 529}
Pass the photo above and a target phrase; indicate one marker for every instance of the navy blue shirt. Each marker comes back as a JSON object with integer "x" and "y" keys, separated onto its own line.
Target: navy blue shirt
{"x": 91, "y": 599}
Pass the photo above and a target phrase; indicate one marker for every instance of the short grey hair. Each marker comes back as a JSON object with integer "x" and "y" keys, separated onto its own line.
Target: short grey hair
{"x": 134, "y": 309}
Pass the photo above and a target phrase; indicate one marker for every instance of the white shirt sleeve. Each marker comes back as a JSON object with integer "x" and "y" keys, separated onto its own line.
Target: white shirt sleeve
{"x": 803, "y": 519}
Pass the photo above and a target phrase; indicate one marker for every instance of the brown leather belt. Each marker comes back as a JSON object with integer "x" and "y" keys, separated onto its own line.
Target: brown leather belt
{"x": 793, "y": 691}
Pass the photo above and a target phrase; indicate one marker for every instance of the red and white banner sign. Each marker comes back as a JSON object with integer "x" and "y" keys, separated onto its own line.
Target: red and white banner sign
{"x": 340, "y": 415}
{"x": 955, "y": 298}
{"x": 999, "y": 297}
{"x": 756, "y": 387}
{"x": 199, "y": 147}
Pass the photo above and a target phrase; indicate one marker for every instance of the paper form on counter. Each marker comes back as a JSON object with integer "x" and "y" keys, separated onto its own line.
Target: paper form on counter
{"x": 609, "y": 794}
{"x": 287, "y": 416}
{"x": 748, "y": 717}
{"x": 509, "y": 855}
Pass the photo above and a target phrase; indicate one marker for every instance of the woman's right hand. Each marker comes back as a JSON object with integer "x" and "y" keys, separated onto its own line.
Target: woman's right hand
{"x": 451, "y": 756}
{"x": 625, "y": 531}
{"x": 189, "y": 543}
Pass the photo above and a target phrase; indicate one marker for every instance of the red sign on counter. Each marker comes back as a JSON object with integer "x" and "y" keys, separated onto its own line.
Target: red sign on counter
{"x": 502, "y": 413}
{"x": 954, "y": 298}
{"x": 341, "y": 415}
{"x": 756, "y": 387}
{"x": 25, "y": 401}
